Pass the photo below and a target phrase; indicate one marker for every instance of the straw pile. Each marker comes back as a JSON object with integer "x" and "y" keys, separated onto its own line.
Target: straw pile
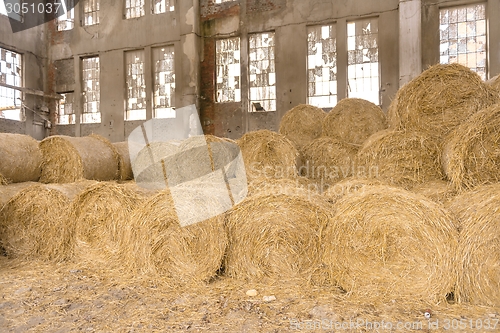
{"x": 437, "y": 190}
{"x": 157, "y": 245}
{"x": 439, "y": 99}
{"x": 98, "y": 216}
{"x": 268, "y": 154}
{"x": 302, "y": 124}
{"x": 124, "y": 164}
{"x": 275, "y": 237}
{"x": 387, "y": 242}
{"x": 401, "y": 158}
{"x": 353, "y": 120}
{"x": 35, "y": 224}
{"x": 327, "y": 159}
{"x": 478, "y": 254}
{"x": 155, "y": 167}
{"x": 471, "y": 153}
{"x": 349, "y": 185}
{"x": 69, "y": 159}
{"x": 20, "y": 158}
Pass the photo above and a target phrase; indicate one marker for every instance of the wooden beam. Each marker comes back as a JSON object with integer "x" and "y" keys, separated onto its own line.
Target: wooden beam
{"x": 30, "y": 91}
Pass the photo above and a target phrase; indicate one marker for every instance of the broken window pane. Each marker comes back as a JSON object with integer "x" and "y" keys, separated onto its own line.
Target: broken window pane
{"x": 228, "y": 70}
{"x": 90, "y": 12}
{"x": 262, "y": 72}
{"x": 466, "y": 36}
{"x": 164, "y": 82}
{"x": 134, "y": 8}
{"x": 162, "y": 6}
{"x": 10, "y": 73}
{"x": 66, "y": 113}
{"x": 66, "y": 21}
{"x": 322, "y": 66}
{"x": 136, "y": 85}
{"x": 362, "y": 59}
{"x": 90, "y": 90}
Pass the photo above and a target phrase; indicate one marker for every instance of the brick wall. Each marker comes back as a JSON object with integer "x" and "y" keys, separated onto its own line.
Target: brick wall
{"x": 12, "y": 126}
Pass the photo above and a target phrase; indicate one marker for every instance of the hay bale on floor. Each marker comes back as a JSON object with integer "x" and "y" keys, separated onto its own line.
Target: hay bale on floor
{"x": 275, "y": 237}
{"x": 478, "y": 254}
{"x": 439, "y": 99}
{"x": 399, "y": 158}
{"x": 437, "y": 190}
{"x": 302, "y": 124}
{"x": 353, "y": 120}
{"x": 349, "y": 185}
{"x": 268, "y": 154}
{"x": 327, "y": 160}
{"x": 98, "y": 216}
{"x": 124, "y": 164}
{"x": 156, "y": 244}
{"x": 20, "y": 158}
{"x": 471, "y": 154}
{"x": 35, "y": 224}
{"x": 68, "y": 159}
{"x": 387, "y": 243}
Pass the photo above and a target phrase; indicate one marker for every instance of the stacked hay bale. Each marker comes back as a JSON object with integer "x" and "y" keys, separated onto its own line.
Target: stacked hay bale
{"x": 439, "y": 99}
{"x": 471, "y": 154}
{"x": 35, "y": 225}
{"x": 275, "y": 237}
{"x": 478, "y": 254}
{"x": 349, "y": 185}
{"x": 302, "y": 124}
{"x": 387, "y": 243}
{"x": 124, "y": 164}
{"x": 353, "y": 120}
{"x": 437, "y": 190}
{"x": 494, "y": 82}
{"x": 400, "y": 158}
{"x": 68, "y": 159}
{"x": 20, "y": 158}
{"x": 264, "y": 185}
{"x": 157, "y": 243}
{"x": 98, "y": 216}
{"x": 268, "y": 154}
{"x": 327, "y": 160}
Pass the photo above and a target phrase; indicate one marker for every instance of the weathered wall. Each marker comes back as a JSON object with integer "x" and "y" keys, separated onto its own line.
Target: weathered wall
{"x": 289, "y": 20}
{"x": 30, "y": 43}
{"x": 109, "y": 40}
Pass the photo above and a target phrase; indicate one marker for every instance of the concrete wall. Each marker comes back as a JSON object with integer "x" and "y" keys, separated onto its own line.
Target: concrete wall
{"x": 289, "y": 20}
{"x": 30, "y": 43}
{"x": 109, "y": 40}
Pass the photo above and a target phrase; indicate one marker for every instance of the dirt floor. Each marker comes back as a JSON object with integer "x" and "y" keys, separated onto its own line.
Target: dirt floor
{"x": 39, "y": 297}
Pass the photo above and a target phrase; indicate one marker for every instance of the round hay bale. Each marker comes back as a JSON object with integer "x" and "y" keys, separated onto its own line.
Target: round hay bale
{"x": 124, "y": 164}
{"x": 68, "y": 159}
{"x": 268, "y": 154}
{"x": 35, "y": 224}
{"x": 150, "y": 171}
{"x": 302, "y": 124}
{"x": 401, "y": 158}
{"x": 156, "y": 244}
{"x": 353, "y": 120}
{"x": 439, "y": 99}
{"x": 328, "y": 160}
{"x": 388, "y": 242}
{"x": 275, "y": 237}
{"x": 98, "y": 216}
{"x": 478, "y": 254}
{"x": 203, "y": 154}
{"x": 494, "y": 82}
{"x": 20, "y": 158}
{"x": 437, "y": 190}
{"x": 471, "y": 153}
{"x": 295, "y": 186}
{"x": 349, "y": 185}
